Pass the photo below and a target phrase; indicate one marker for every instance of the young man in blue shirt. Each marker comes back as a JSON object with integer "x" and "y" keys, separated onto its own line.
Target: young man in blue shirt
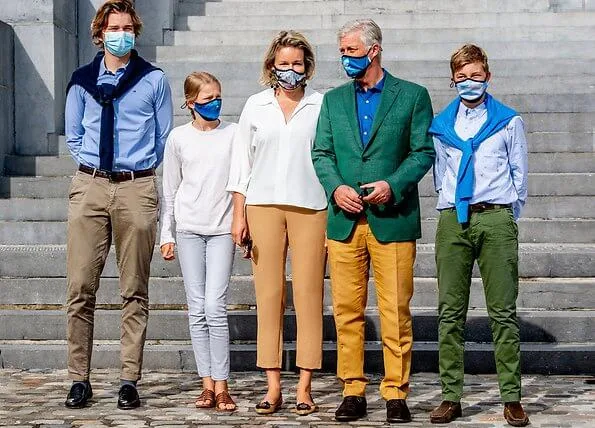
{"x": 480, "y": 175}
{"x": 118, "y": 115}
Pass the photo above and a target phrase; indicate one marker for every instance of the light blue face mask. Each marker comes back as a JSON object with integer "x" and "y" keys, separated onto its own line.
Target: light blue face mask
{"x": 209, "y": 111}
{"x": 118, "y": 43}
{"x": 356, "y": 66}
{"x": 471, "y": 90}
{"x": 289, "y": 79}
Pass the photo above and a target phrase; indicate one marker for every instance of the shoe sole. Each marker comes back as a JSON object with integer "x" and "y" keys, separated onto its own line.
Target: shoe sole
{"x": 349, "y": 418}
{"x": 518, "y": 423}
{"x": 129, "y": 406}
{"x": 78, "y": 406}
{"x": 398, "y": 421}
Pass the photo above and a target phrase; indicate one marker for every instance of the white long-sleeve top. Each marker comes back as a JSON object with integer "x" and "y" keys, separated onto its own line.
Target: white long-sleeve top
{"x": 500, "y": 163}
{"x": 272, "y": 161}
{"x": 196, "y": 169}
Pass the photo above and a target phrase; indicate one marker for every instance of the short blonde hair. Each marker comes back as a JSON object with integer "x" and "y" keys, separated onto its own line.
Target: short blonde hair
{"x": 468, "y": 54}
{"x": 284, "y": 39}
{"x": 101, "y": 17}
{"x": 194, "y": 83}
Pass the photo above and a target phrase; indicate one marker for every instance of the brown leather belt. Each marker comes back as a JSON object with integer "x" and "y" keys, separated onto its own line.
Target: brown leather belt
{"x": 117, "y": 176}
{"x": 481, "y": 207}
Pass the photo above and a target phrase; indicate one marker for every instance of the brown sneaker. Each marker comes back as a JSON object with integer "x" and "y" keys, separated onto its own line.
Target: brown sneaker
{"x": 515, "y": 415}
{"x": 447, "y": 412}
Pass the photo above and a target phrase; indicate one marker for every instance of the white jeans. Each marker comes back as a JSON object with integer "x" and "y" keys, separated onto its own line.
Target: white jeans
{"x": 206, "y": 262}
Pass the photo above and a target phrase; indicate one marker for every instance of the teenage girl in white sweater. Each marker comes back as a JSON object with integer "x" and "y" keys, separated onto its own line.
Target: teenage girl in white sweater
{"x": 196, "y": 215}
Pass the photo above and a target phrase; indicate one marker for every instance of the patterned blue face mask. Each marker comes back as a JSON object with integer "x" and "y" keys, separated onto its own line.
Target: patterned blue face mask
{"x": 209, "y": 111}
{"x": 356, "y": 66}
{"x": 118, "y": 43}
{"x": 289, "y": 79}
{"x": 471, "y": 90}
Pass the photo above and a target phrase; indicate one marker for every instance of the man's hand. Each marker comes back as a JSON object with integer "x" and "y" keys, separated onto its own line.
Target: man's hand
{"x": 239, "y": 230}
{"x": 381, "y": 193}
{"x": 167, "y": 251}
{"x": 347, "y": 199}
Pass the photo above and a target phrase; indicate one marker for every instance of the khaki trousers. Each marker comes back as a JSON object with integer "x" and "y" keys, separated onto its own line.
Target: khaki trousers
{"x": 97, "y": 209}
{"x": 393, "y": 274}
{"x": 273, "y": 228}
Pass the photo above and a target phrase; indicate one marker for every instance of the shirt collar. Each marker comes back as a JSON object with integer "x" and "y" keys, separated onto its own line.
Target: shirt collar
{"x": 376, "y": 88}
{"x": 472, "y": 113}
{"x": 103, "y": 69}
{"x": 268, "y": 96}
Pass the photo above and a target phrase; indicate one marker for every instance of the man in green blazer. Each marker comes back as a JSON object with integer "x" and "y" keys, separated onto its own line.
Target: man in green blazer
{"x": 372, "y": 147}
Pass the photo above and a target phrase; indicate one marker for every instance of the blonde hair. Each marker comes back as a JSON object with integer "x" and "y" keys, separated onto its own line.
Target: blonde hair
{"x": 468, "y": 54}
{"x": 286, "y": 39}
{"x": 194, "y": 83}
{"x": 101, "y": 17}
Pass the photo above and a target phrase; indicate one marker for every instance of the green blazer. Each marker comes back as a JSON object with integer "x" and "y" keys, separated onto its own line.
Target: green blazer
{"x": 400, "y": 152}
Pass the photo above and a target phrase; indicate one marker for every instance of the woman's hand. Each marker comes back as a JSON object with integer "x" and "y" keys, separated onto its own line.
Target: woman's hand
{"x": 167, "y": 251}
{"x": 239, "y": 230}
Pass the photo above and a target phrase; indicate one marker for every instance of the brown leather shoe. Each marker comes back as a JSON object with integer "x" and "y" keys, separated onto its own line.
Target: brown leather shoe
{"x": 447, "y": 412}
{"x": 515, "y": 415}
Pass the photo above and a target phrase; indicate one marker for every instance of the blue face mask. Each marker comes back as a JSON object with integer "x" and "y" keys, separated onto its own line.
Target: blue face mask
{"x": 356, "y": 66}
{"x": 209, "y": 111}
{"x": 118, "y": 43}
{"x": 471, "y": 90}
{"x": 289, "y": 79}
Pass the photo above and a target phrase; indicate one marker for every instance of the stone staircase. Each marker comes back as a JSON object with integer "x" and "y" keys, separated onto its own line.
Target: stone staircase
{"x": 542, "y": 61}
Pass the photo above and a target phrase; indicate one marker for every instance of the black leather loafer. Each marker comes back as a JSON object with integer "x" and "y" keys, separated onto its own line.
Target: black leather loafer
{"x": 80, "y": 393}
{"x": 351, "y": 409}
{"x": 397, "y": 412}
{"x": 128, "y": 398}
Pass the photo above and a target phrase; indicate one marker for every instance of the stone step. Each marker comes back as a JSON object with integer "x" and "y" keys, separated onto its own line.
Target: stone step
{"x": 412, "y": 70}
{"x": 535, "y": 326}
{"x": 535, "y": 293}
{"x": 437, "y": 86}
{"x": 402, "y": 51}
{"x": 540, "y": 184}
{"x": 387, "y": 21}
{"x": 530, "y": 231}
{"x": 543, "y": 207}
{"x": 336, "y": 7}
{"x": 536, "y": 260}
{"x": 59, "y": 166}
{"x": 329, "y": 36}
{"x": 536, "y": 358}
{"x": 572, "y": 105}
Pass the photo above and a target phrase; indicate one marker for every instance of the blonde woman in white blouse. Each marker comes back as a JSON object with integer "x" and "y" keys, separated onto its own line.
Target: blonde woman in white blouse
{"x": 279, "y": 203}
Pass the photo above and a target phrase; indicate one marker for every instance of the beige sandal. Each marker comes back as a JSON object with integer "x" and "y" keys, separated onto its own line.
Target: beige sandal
{"x": 266, "y": 408}
{"x": 207, "y": 397}
{"x": 224, "y": 398}
{"x": 304, "y": 409}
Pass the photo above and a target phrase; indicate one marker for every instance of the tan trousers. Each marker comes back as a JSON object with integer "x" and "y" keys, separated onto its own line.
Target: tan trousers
{"x": 393, "y": 274}
{"x": 273, "y": 228}
{"x": 98, "y": 208}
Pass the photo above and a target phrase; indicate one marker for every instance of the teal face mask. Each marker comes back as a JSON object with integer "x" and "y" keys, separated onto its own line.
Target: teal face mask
{"x": 118, "y": 43}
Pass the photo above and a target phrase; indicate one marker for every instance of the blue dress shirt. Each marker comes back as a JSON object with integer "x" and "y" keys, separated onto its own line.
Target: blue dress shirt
{"x": 500, "y": 163}
{"x": 367, "y": 103}
{"x": 143, "y": 119}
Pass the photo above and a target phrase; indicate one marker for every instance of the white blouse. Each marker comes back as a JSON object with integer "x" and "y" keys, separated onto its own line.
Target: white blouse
{"x": 271, "y": 159}
{"x": 196, "y": 168}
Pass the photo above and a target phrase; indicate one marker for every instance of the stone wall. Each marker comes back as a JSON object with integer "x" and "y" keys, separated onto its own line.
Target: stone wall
{"x": 6, "y": 92}
{"x": 45, "y": 47}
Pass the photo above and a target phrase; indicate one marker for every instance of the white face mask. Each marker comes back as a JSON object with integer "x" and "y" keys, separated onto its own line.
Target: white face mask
{"x": 471, "y": 90}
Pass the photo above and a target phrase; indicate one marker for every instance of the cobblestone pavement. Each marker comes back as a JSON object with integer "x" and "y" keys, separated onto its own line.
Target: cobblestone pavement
{"x": 35, "y": 399}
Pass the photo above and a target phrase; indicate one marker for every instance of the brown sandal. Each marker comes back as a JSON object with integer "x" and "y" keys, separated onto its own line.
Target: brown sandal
{"x": 223, "y": 398}
{"x": 207, "y": 396}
